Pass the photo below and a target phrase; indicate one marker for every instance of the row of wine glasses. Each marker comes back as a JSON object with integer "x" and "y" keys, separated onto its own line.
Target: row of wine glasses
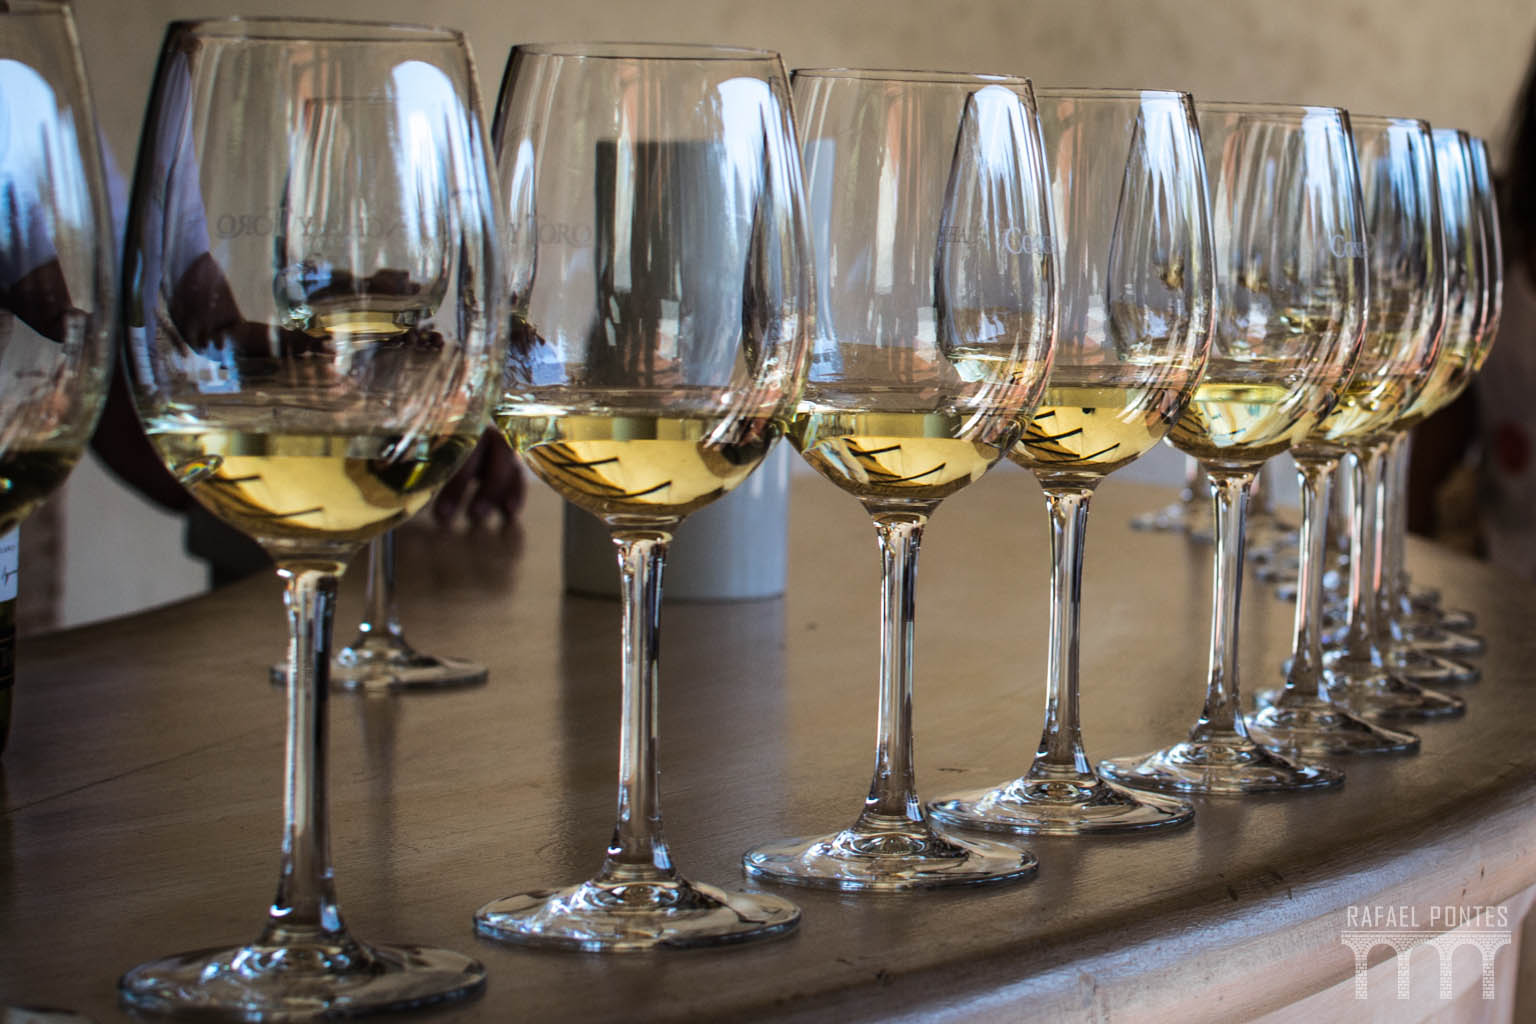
{"x": 324, "y": 248}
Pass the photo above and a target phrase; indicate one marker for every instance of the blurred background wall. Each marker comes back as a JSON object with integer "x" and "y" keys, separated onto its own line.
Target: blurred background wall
{"x": 1456, "y": 63}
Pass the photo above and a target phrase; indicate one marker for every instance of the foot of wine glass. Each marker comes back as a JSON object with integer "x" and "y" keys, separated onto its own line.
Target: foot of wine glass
{"x": 305, "y": 965}
{"x": 1219, "y": 757}
{"x": 1190, "y": 514}
{"x": 379, "y": 659}
{"x": 1358, "y": 674}
{"x": 892, "y": 846}
{"x": 637, "y": 901}
{"x": 1301, "y": 721}
{"x": 1061, "y": 794}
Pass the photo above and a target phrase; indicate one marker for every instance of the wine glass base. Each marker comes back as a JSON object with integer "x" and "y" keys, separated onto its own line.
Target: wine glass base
{"x": 888, "y": 860}
{"x": 1369, "y": 692}
{"x": 277, "y": 983}
{"x": 1426, "y": 602}
{"x": 379, "y": 675}
{"x": 1065, "y": 807}
{"x": 1318, "y": 729}
{"x": 1445, "y": 642}
{"x": 1171, "y": 518}
{"x": 1433, "y": 670}
{"x": 1231, "y": 766}
{"x": 617, "y": 917}
{"x": 1457, "y": 620}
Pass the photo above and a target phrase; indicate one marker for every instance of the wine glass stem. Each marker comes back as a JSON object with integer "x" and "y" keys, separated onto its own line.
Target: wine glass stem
{"x": 1061, "y": 743}
{"x": 1315, "y": 475}
{"x": 304, "y": 909}
{"x": 892, "y": 791}
{"x": 638, "y": 851}
{"x": 381, "y": 613}
{"x": 1365, "y": 551}
{"x": 1222, "y": 716}
{"x": 1394, "y": 572}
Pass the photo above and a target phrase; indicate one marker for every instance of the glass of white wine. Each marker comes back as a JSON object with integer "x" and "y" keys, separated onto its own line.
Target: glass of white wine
{"x": 57, "y": 285}
{"x": 936, "y": 286}
{"x": 1400, "y": 350}
{"x": 1427, "y": 641}
{"x": 1133, "y": 237}
{"x": 1290, "y": 293}
{"x": 1441, "y": 294}
{"x": 661, "y": 314}
{"x": 311, "y": 314}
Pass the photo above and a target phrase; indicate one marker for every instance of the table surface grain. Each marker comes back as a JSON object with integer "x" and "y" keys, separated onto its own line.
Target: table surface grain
{"x": 142, "y": 786}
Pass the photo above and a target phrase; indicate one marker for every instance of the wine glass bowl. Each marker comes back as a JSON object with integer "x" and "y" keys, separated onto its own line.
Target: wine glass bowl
{"x": 1133, "y": 238}
{"x": 57, "y": 286}
{"x": 1291, "y": 292}
{"x": 661, "y": 307}
{"x": 293, "y": 174}
{"x": 936, "y": 278}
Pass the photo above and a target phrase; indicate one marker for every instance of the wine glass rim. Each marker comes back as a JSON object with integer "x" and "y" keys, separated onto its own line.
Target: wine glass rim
{"x": 1102, "y": 93}
{"x": 330, "y": 30}
{"x": 1390, "y": 121}
{"x": 616, "y": 50}
{"x": 913, "y": 75}
{"x": 1275, "y": 110}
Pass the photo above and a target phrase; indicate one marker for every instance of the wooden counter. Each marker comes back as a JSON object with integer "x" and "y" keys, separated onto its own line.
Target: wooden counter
{"x": 142, "y": 786}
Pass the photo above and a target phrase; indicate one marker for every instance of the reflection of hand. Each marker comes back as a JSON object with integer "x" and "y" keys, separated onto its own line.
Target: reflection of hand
{"x": 41, "y": 299}
{"x": 489, "y": 485}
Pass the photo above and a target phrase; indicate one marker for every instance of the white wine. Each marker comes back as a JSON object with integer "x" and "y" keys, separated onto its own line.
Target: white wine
{"x": 326, "y": 490}
{"x": 1367, "y": 407}
{"x": 1086, "y": 431}
{"x": 1243, "y": 423}
{"x": 896, "y": 457}
{"x": 635, "y": 468}
{"x": 1448, "y": 377}
{"x": 28, "y": 475}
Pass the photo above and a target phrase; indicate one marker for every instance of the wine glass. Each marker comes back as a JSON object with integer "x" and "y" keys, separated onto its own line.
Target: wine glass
{"x": 1290, "y": 293}
{"x": 1133, "y": 235}
{"x": 379, "y": 659}
{"x": 1401, "y": 349}
{"x": 936, "y": 276}
{"x": 1412, "y": 294}
{"x": 57, "y": 292}
{"x": 661, "y": 291}
{"x": 1426, "y": 639}
{"x": 311, "y": 313}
